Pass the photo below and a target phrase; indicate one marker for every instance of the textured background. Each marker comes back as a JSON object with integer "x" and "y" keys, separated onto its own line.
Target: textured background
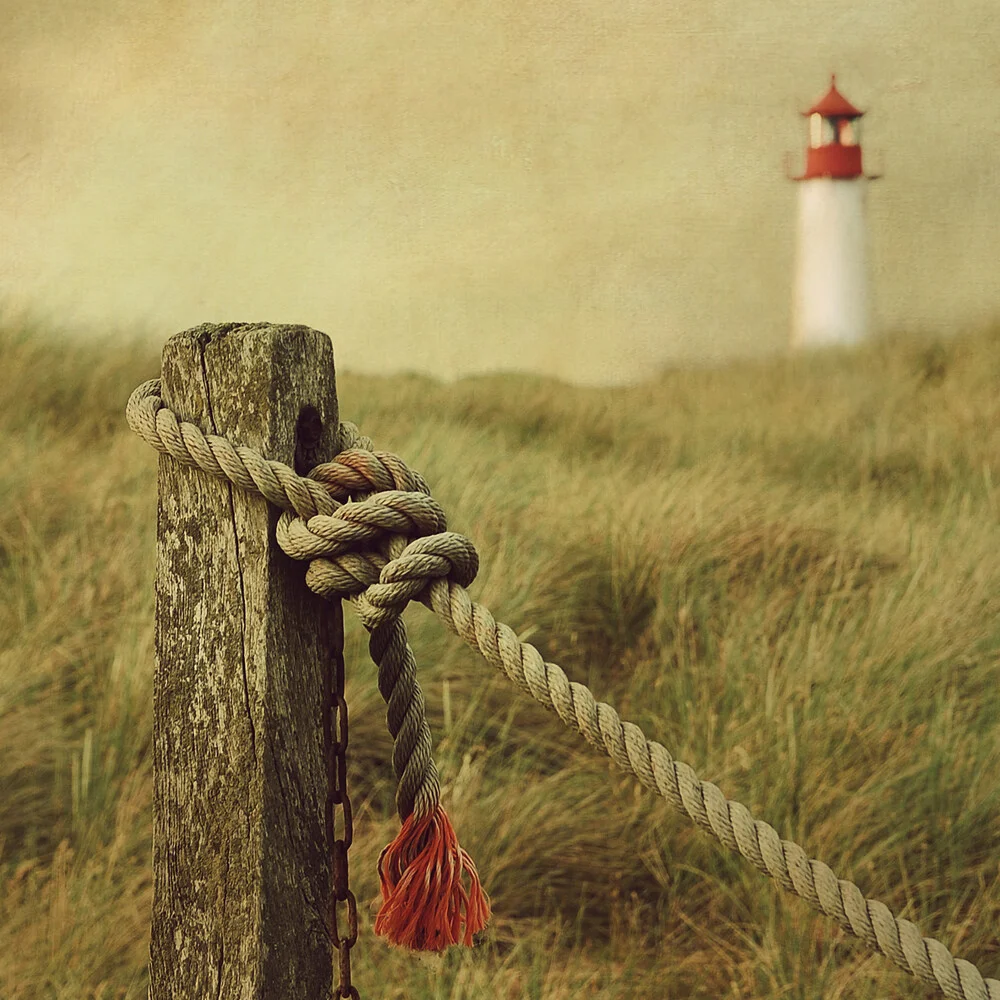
{"x": 580, "y": 188}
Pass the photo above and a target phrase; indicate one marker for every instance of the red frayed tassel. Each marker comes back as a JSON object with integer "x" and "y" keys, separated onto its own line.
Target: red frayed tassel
{"x": 425, "y": 905}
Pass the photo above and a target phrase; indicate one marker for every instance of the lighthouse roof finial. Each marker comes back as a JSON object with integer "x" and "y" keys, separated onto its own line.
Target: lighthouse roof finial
{"x": 833, "y": 104}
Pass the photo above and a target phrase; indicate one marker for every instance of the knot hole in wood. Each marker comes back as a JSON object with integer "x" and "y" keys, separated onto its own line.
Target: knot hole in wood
{"x": 308, "y": 431}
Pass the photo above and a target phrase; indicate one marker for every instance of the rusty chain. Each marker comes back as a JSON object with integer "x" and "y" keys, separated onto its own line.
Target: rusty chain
{"x": 337, "y": 777}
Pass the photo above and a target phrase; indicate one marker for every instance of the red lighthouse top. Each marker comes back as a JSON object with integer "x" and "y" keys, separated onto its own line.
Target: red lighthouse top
{"x": 833, "y": 104}
{"x": 834, "y": 138}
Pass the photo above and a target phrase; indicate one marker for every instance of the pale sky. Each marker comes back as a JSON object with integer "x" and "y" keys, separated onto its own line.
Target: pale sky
{"x": 585, "y": 188}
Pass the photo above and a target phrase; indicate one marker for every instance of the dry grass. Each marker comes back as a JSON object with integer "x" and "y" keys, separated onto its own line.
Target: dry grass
{"x": 788, "y": 573}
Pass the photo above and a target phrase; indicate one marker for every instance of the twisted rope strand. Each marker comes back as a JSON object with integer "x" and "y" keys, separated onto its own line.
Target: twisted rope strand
{"x": 435, "y": 568}
{"x": 158, "y": 426}
{"x": 728, "y": 821}
{"x": 355, "y": 473}
{"x": 392, "y": 512}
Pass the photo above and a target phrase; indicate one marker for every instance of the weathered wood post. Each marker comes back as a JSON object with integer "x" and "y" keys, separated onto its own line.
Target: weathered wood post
{"x": 243, "y": 684}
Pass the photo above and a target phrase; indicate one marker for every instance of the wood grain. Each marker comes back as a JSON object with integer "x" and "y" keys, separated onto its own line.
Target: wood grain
{"x": 243, "y": 688}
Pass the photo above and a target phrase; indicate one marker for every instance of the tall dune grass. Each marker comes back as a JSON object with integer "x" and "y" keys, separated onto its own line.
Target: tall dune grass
{"x": 787, "y": 572}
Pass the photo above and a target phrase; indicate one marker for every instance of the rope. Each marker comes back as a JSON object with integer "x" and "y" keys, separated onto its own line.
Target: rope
{"x": 435, "y": 568}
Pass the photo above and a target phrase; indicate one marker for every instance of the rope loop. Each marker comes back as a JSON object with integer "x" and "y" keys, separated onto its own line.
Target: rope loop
{"x": 364, "y": 526}
{"x": 356, "y": 472}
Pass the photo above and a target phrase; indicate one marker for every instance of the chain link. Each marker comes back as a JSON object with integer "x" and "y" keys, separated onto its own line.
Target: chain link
{"x": 337, "y": 776}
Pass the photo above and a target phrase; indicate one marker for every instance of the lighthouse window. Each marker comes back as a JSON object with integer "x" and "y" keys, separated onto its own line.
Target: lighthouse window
{"x": 815, "y": 130}
{"x": 848, "y": 133}
{"x": 821, "y": 131}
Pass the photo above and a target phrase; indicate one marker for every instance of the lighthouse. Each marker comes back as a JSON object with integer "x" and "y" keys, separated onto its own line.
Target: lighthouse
{"x": 831, "y": 269}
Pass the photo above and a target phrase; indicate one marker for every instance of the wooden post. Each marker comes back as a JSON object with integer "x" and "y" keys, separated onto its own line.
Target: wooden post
{"x": 242, "y": 700}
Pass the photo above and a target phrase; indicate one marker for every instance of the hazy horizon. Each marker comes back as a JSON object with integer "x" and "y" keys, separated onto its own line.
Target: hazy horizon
{"x": 574, "y": 188}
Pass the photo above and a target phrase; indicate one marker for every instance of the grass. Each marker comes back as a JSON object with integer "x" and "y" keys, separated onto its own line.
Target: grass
{"x": 788, "y": 572}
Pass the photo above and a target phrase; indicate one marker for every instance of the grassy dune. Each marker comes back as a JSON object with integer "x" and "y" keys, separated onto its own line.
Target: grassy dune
{"x": 787, "y": 572}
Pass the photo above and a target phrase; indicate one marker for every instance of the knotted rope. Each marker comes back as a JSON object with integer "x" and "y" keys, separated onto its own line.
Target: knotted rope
{"x": 362, "y": 551}
{"x": 425, "y": 903}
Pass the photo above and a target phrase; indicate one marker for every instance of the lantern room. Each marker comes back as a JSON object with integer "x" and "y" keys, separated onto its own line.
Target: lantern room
{"x": 834, "y": 137}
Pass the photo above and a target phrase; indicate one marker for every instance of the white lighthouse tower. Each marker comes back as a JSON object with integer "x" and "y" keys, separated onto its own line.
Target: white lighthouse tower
{"x": 831, "y": 273}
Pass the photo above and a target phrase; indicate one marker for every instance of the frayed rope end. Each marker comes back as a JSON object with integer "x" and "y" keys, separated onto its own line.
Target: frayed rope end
{"x": 425, "y": 905}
